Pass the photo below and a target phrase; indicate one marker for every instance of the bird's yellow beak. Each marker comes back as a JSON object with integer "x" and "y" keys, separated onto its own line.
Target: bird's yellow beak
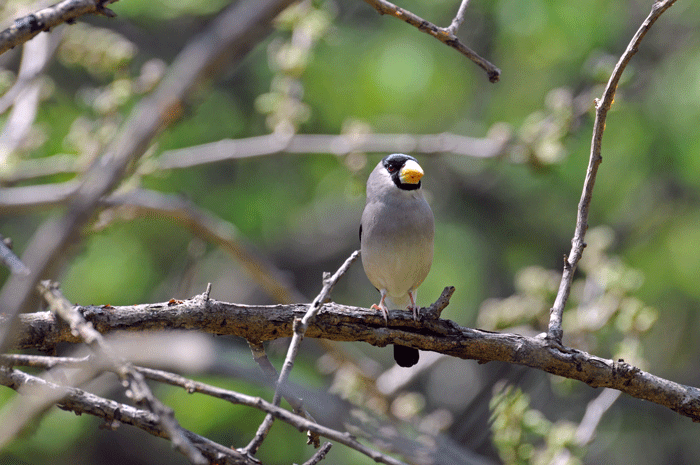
{"x": 411, "y": 173}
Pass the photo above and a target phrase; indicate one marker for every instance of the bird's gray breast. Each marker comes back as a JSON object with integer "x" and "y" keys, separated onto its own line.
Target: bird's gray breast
{"x": 397, "y": 241}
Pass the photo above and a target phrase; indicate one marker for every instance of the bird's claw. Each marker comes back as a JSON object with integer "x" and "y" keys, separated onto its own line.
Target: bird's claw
{"x": 384, "y": 311}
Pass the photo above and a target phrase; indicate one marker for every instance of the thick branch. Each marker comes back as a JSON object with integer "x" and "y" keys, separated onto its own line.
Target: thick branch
{"x": 603, "y": 105}
{"x": 66, "y": 11}
{"x": 343, "y": 323}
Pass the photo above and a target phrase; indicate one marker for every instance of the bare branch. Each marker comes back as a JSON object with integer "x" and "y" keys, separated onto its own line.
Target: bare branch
{"x": 344, "y": 323}
{"x": 66, "y": 11}
{"x": 257, "y": 146}
{"x": 320, "y": 454}
{"x": 9, "y": 259}
{"x": 260, "y": 357}
{"x": 555, "y": 332}
{"x": 300, "y": 327}
{"x": 444, "y": 35}
{"x": 589, "y": 423}
{"x": 229, "y": 149}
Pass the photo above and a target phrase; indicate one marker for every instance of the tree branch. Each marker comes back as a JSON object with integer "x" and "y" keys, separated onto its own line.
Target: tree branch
{"x": 66, "y": 11}
{"x": 248, "y": 147}
{"x": 300, "y": 328}
{"x": 344, "y": 323}
{"x": 555, "y": 332}
{"x": 444, "y": 35}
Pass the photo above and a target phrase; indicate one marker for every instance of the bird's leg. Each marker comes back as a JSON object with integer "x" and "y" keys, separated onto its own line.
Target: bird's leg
{"x": 382, "y": 307}
{"x": 413, "y": 307}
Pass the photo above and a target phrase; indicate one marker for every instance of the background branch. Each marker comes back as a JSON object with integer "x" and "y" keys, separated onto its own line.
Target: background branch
{"x": 230, "y": 36}
{"x": 248, "y": 147}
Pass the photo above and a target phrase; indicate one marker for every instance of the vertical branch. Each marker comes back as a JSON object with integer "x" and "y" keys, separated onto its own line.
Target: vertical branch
{"x": 555, "y": 332}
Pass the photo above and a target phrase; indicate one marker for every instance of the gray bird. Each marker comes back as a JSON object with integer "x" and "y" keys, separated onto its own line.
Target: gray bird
{"x": 396, "y": 238}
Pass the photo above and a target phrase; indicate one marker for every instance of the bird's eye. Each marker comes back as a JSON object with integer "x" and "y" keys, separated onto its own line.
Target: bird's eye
{"x": 391, "y": 168}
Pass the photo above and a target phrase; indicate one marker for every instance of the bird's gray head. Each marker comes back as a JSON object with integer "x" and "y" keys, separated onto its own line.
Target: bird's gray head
{"x": 404, "y": 170}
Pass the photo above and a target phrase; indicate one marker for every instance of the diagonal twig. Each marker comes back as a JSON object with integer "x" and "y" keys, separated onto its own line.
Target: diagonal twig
{"x": 444, "y": 35}
{"x": 555, "y": 332}
{"x": 260, "y": 357}
{"x": 9, "y": 259}
{"x": 300, "y": 327}
{"x": 213, "y": 229}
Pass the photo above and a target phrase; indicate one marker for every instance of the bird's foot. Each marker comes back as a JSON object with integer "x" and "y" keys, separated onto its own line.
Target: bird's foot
{"x": 384, "y": 311}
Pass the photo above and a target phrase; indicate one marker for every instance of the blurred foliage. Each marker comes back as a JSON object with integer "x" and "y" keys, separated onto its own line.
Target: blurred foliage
{"x": 502, "y": 224}
{"x": 523, "y": 435}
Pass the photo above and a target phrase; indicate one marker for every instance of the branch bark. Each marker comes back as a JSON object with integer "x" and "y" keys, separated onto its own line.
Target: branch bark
{"x": 344, "y": 323}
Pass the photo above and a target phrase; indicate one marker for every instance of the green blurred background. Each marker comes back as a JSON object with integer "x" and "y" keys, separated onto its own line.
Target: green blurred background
{"x": 495, "y": 217}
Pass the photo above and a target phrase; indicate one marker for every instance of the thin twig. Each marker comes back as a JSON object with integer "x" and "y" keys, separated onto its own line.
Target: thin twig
{"x": 300, "y": 327}
{"x": 260, "y": 357}
{"x": 43, "y": 361}
{"x": 66, "y": 11}
{"x": 435, "y": 309}
{"x": 555, "y": 332}
{"x": 132, "y": 379}
{"x": 589, "y": 423}
{"x": 441, "y": 34}
{"x": 459, "y": 18}
{"x": 256, "y": 146}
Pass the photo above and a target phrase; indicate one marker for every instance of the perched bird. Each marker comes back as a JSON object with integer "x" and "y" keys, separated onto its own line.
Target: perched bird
{"x": 396, "y": 238}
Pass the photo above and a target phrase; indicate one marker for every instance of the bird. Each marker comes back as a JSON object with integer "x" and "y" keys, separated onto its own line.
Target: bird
{"x": 396, "y": 239}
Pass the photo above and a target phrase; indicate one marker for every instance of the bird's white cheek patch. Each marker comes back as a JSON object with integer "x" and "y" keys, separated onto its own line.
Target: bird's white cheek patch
{"x": 410, "y": 173}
